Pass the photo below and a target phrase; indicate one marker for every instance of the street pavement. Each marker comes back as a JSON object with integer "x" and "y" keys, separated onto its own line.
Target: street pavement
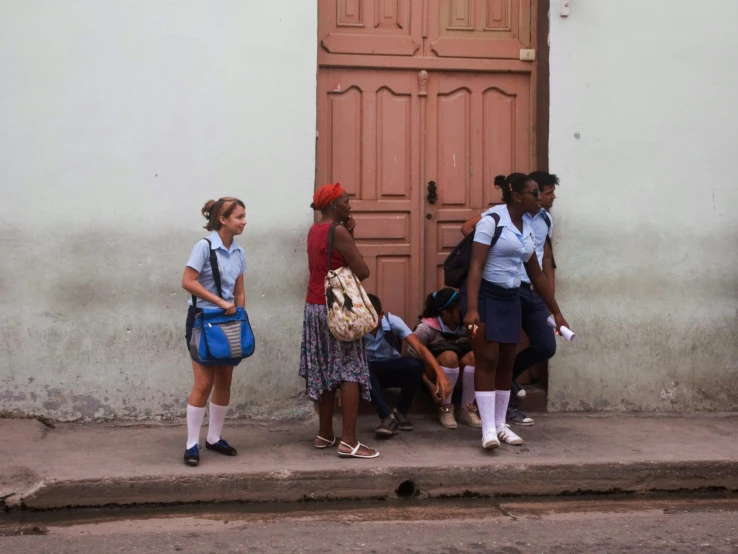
{"x": 666, "y": 524}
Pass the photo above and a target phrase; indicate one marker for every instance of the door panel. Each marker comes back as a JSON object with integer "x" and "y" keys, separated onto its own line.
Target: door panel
{"x": 384, "y": 133}
{"x": 368, "y": 140}
{"x": 478, "y": 28}
{"x": 478, "y": 126}
{"x": 377, "y": 27}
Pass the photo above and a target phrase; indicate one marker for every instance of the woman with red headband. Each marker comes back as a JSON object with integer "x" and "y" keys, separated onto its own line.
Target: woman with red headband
{"x": 326, "y": 363}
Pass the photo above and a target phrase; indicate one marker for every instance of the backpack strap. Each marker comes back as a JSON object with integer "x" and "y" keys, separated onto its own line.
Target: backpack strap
{"x": 216, "y": 272}
{"x": 390, "y": 336}
{"x": 498, "y": 230}
{"x": 550, "y": 246}
{"x": 548, "y": 239}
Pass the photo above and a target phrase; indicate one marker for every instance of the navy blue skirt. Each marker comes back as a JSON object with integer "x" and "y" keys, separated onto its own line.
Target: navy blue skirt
{"x": 499, "y": 310}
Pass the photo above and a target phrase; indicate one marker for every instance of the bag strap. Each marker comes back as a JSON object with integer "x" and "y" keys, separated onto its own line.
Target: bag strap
{"x": 551, "y": 247}
{"x": 216, "y": 272}
{"x": 390, "y": 337}
{"x": 548, "y": 239}
{"x": 498, "y": 230}
{"x": 331, "y": 236}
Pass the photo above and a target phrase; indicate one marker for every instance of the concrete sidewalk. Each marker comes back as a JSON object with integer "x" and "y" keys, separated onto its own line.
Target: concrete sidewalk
{"x": 94, "y": 465}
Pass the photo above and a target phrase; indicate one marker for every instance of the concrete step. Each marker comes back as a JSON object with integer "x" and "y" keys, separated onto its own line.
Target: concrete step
{"x": 534, "y": 380}
{"x": 102, "y": 465}
{"x": 535, "y": 400}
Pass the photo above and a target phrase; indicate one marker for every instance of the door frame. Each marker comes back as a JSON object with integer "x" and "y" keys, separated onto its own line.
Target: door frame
{"x": 541, "y": 85}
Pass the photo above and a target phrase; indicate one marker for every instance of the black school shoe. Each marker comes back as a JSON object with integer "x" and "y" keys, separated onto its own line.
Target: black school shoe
{"x": 221, "y": 447}
{"x": 192, "y": 455}
{"x": 402, "y": 420}
{"x": 387, "y": 427}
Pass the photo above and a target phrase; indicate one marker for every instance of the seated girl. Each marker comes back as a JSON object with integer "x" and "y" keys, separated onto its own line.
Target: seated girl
{"x": 441, "y": 332}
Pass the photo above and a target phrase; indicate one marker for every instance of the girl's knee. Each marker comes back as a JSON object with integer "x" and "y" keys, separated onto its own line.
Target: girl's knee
{"x": 223, "y": 375}
{"x": 468, "y": 360}
{"x": 223, "y": 381}
{"x": 487, "y": 356}
{"x": 448, "y": 359}
{"x": 203, "y": 387}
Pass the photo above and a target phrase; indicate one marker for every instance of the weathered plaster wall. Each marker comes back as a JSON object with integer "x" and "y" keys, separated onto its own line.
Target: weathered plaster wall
{"x": 119, "y": 120}
{"x": 644, "y": 134}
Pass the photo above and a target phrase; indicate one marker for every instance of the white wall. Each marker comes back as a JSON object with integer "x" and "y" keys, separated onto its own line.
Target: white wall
{"x": 119, "y": 119}
{"x": 647, "y": 231}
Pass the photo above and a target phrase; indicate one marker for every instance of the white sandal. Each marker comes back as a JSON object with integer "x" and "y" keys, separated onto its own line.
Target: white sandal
{"x": 327, "y": 444}
{"x": 355, "y": 450}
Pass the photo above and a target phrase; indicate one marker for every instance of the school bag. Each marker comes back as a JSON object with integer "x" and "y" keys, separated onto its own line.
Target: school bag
{"x": 219, "y": 339}
{"x": 350, "y": 313}
{"x": 456, "y": 266}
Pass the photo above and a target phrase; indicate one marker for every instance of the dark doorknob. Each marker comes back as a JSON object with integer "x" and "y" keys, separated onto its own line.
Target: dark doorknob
{"x": 432, "y": 194}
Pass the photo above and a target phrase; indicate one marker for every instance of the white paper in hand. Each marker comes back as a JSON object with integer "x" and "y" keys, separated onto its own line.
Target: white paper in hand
{"x": 567, "y": 333}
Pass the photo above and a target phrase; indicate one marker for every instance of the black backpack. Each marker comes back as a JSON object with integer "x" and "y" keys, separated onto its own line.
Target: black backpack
{"x": 456, "y": 266}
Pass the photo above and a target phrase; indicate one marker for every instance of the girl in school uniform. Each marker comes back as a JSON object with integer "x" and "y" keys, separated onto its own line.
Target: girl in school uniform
{"x": 491, "y": 304}
{"x": 226, "y": 219}
{"x": 441, "y": 332}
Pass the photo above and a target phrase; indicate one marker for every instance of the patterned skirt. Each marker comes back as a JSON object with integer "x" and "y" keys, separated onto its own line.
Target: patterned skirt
{"x": 326, "y": 362}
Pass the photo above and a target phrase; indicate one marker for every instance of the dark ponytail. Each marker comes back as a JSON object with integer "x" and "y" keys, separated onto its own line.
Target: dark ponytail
{"x": 437, "y": 302}
{"x": 515, "y": 182}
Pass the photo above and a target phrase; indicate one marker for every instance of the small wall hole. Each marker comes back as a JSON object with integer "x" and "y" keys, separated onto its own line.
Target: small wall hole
{"x": 407, "y": 489}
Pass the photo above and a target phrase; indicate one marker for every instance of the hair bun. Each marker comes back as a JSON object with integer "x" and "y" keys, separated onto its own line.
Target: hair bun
{"x": 206, "y": 209}
{"x": 499, "y": 180}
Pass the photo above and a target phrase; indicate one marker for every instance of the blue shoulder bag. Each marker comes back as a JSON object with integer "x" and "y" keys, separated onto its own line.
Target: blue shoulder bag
{"x": 219, "y": 339}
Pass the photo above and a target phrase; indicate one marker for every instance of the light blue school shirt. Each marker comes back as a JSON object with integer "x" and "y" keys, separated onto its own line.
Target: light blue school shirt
{"x": 377, "y": 348}
{"x": 505, "y": 260}
{"x": 540, "y": 230}
{"x": 460, "y": 330}
{"x": 231, "y": 263}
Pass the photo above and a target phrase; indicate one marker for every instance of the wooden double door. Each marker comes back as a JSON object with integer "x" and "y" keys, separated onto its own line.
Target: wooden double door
{"x": 413, "y": 132}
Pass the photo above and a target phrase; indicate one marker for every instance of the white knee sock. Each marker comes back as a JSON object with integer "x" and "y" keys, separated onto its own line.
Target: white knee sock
{"x": 194, "y": 423}
{"x": 503, "y": 399}
{"x": 217, "y": 419}
{"x": 452, "y": 374}
{"x": 486, "y": 405}
{"x": 467, "y": 393}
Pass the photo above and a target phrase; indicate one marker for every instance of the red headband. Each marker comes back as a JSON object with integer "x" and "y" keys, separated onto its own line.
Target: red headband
{"x": 326, "y": 194}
